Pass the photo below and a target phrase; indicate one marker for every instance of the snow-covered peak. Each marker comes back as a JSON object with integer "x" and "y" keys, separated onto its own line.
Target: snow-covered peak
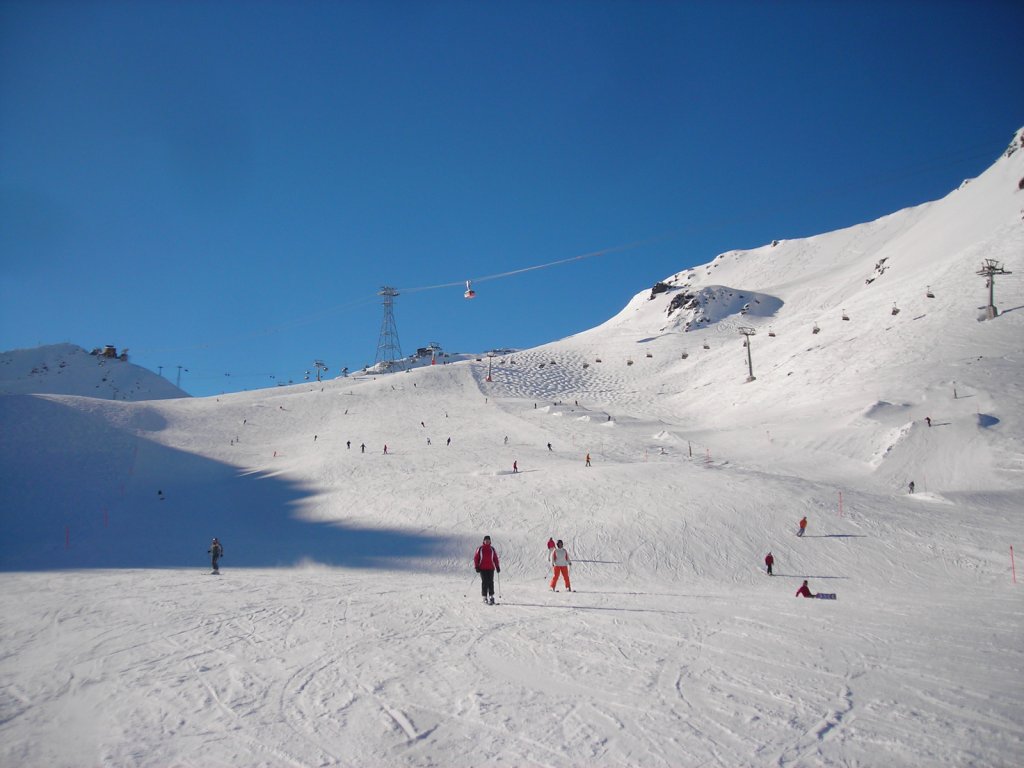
{"x": 67, "y": 369}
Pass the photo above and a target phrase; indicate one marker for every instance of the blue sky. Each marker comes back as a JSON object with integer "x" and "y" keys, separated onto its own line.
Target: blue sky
{"x": 225, "y": 186}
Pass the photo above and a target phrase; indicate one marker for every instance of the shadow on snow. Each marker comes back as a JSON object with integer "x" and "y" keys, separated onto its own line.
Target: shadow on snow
{"x": 104, "y": 496}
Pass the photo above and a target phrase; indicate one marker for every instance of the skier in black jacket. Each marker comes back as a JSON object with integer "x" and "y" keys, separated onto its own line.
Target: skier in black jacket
{"x": 216, "y": 552}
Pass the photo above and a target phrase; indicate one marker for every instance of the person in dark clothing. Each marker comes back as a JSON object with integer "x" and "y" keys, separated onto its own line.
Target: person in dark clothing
{"x": 216, "y": 552}
{"x": 487, "y": 564}
{"x": 769, "y": 560}
{"x": 911, "y": 486}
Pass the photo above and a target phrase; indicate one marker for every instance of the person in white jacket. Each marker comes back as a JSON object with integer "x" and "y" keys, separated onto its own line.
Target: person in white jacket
{"x": 561, "y": 562}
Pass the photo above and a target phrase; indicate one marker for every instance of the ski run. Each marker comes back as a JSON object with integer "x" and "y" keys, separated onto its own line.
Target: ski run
{"x": 348, "y": 629}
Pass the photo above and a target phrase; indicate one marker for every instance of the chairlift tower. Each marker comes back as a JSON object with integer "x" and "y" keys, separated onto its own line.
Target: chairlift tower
{"x": 989, "y": 269}
{"x": 388, "y": 347}
{"x": 747, "y": 333}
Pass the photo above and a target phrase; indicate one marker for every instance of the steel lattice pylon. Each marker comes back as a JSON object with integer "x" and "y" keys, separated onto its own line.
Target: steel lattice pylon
{"x": 388, "y": 347}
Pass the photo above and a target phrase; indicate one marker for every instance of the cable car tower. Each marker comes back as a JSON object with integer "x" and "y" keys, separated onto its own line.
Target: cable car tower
{"x": 389, "y": 350}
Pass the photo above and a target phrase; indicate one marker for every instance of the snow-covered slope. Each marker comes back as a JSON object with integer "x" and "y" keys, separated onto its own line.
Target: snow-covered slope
{"x": 67, "y": 369}
{"x": 370, "y": 645}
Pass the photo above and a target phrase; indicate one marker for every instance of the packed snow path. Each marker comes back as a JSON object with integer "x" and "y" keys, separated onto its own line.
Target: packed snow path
{"x": 333, "y": 668}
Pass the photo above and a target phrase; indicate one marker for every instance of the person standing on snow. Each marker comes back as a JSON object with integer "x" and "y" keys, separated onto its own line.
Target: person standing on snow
{"x": 804, "y": 591}
{"x": 551, "y": 545}
{"x": 216, "y": 552}
{"x": 560, "y": 560}
{"x": 803, "y": 526}
{"x": 769, "y": 560}
{"x": 588, "y": 460}
{"x": 911, "y": 486}
{"x": 515, "y": 467}
{"x": 487, "y": 564}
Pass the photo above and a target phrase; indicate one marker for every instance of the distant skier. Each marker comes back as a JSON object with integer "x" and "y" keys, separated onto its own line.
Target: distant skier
{"x": 560, "y": 561}
{"x": 216, "y": 552}
{"x": 803, "y": 526}
{"x": 769, "y": 561}
{"x": 449, "y": 439}
{"x": 515, "y": 467}
{"x": 362, "y": 448}
{"x": 588, "y": 460}
{"x": 506, "y": 439}
{"x": 487, "y": 563}
{"x": 928, "y": 420}
{"x": 804, "y": 591}
{"x": 549, "y": 446}
{"x": 911, "y": 486}
{"x": 385, "y": 449}
{"x": 551, "y": 545}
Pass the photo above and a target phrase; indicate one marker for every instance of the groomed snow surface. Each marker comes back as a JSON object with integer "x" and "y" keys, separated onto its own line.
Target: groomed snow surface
{"x": 347, "y": 627}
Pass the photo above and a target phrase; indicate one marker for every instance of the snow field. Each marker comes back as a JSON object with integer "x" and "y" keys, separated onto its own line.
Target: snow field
{"x": 348, "y": 629}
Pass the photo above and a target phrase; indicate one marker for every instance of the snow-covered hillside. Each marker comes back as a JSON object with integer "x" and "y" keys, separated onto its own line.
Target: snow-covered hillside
{"x": 67, "y": 369}
{"x": 348, "y": 629}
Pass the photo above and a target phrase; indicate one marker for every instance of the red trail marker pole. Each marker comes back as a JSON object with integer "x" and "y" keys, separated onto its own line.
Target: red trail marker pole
{"x": 1013, "y": 566}
{"x": 840, "y": 503}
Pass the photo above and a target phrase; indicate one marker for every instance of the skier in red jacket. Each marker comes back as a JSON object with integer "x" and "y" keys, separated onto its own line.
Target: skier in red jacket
{"x": 804, "y": 591}
{"x": 769, "y": 560}
{"x": 487, "y": 563}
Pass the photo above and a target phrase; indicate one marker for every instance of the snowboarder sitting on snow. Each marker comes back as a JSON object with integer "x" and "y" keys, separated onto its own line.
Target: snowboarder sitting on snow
{"x": 560, "y": 560}
{"x": 216, "y": 552}
{"x": 487, "y": 563}
{"x": 769, "y": 560}
{"x": 804, "y": 591}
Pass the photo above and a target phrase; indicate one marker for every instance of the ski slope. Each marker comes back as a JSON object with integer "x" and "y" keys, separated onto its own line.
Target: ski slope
{"x": 348, "y": 629}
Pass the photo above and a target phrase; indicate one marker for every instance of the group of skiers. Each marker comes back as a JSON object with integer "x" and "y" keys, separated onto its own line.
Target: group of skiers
{"x": 487, "y": 563}
{"x": 769, "y": 561}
